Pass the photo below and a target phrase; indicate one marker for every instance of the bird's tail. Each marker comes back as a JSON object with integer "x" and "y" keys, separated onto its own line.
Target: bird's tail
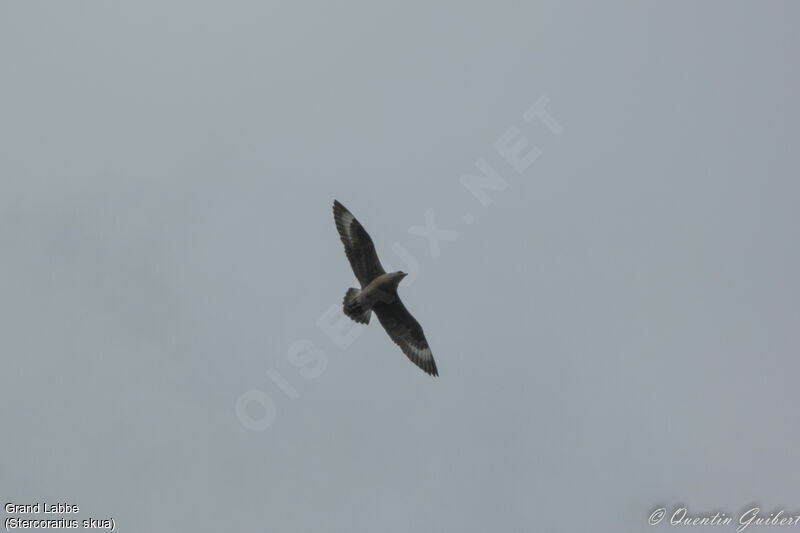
{"x": 354, "y": 309}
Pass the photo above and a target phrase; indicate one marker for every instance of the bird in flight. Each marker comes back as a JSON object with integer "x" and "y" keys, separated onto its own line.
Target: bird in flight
{"x": 379, "y": 292}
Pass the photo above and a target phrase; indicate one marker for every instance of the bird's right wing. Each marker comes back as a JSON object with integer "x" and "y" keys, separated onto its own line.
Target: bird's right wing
{"x": 357, "y": 245}
{"x": 406, "y": 332}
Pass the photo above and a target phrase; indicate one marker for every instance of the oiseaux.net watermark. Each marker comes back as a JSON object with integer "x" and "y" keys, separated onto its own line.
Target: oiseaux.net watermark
{"x": 753, "y": 516}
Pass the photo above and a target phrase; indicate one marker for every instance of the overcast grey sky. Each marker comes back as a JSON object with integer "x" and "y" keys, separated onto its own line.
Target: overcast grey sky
{"x": 616, "y": 331}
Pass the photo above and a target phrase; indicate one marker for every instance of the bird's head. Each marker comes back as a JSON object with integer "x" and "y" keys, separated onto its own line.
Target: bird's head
{"x": 397, "y": 277}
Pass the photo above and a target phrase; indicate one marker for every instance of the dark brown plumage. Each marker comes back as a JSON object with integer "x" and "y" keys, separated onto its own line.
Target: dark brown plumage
{"x": 379, "y": 292}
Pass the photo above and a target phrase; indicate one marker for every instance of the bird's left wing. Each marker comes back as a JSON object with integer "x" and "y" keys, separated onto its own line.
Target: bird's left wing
{"x": 357, "y": 245}
{"x": 407, "y": 333}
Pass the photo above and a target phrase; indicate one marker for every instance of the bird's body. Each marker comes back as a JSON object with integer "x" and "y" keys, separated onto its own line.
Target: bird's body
{"x": 378, "y": 292}
{"x": 382, "y": 289}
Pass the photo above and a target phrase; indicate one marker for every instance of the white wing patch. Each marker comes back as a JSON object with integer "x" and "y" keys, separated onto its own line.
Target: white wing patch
{"x": 422, "y": 353}
{"x": 347, "y": 219}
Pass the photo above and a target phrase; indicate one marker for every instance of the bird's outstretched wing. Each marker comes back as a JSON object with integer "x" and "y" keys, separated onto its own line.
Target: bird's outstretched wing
{"x": 407, "y": 333}
{"x": 357, "y": 245}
